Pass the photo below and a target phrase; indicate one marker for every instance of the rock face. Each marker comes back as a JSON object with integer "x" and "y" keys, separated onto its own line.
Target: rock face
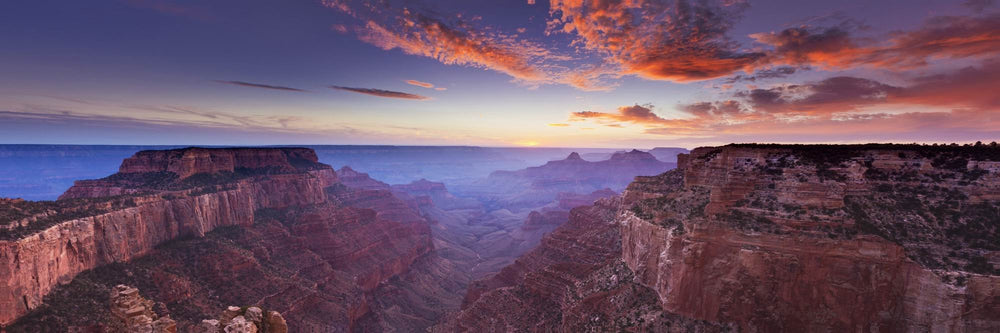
{"x": 190, "y": 161}
{"x": 769, "y": 238}
{"x": 245, "y": 320}
{"x": 133, "y": 313}
{"x": 306, "y": 244}
{"x": 574, "y": 281}
{"x": 822, "y": 238}
{"x": 173, "y": 169}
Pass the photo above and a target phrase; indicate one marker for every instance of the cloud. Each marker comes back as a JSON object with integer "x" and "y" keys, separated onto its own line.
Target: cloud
{"x": 258, "y": 85}
{"x": 559, "y": 125}
{"x": 836, "y": 94}
{"x": 963, "y": 88}
{"x": 978, "y": 5}
{"x": 452, "y": 41}
{"x": 669, "y": 40}
{"x": 678, "y": 41}
{"x": 842, "y": 103}
{"x": 420, "y": 84}
{"x": 941, "y": 37}
{"x": 770, "y": 73}
{"x": 381, "y": 93}
{"x": 638, "y": 114}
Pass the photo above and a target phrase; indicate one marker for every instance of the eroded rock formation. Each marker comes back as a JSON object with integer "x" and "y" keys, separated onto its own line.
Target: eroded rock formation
{"x": 298, "y": 241}
{"x": 806, "y": 238}
{"x": 773, "y": 238}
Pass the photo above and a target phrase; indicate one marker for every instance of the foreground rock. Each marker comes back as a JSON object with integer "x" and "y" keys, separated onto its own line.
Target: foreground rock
{"x": 772, "y": 238}
{"x": 133, "y": 313}
{"x": 574, "y": 281}
{"x": 279, "y": 231}
{"x": 807, "y": 238}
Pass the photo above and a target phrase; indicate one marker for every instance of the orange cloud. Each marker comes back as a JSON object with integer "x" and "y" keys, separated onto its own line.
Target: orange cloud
{"x": 678, "y": 41}
{"x": 451, "y": 41}
{"x": 834, "y": 105}
{"x": 943, "y": 37}
{"x": 420, "y": 84}
{"x": 559, "y": 125}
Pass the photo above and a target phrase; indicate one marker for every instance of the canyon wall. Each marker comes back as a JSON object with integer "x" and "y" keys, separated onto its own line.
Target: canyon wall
{"x": 31, "y": 266}
{"x": 766, "y": 238}
{"x": 806, "y": 239}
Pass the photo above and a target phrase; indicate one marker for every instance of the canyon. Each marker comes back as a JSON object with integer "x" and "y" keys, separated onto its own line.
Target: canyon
{"x": 741, "y": 237}
{"x": 769, "y": 238}
{"x": 187, "y": 225}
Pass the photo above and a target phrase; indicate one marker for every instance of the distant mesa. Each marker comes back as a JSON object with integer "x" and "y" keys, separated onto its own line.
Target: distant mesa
{"x": 190, "y": 161}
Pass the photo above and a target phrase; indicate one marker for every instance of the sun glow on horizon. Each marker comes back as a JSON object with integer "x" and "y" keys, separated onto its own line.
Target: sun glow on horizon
{"x": 528, "y": 143}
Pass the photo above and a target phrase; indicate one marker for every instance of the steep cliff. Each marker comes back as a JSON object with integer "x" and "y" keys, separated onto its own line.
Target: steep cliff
{"x": 769, "y": 238}
{"x": 818, "y": 238}
{"x": 574, "y": 281}
{"x": 302, "y": 241}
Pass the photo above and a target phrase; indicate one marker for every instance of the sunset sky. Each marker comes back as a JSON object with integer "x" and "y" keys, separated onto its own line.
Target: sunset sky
{"x": 562, "y": 73}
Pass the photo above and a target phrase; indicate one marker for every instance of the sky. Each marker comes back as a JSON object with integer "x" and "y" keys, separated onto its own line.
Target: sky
{"x": 561, "y": 73}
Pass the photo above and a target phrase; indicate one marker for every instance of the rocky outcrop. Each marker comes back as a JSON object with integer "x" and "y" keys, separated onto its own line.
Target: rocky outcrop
{"x": 32, "y": 265}
{"x": 769, "y": 238}
{"x": 190, "y": 161}
{"x": 133, "y": 313}
{"x": 574, "y": 281}
{"x": 667, "y": 154}
{"x": 245, "y": 320}
{"x": 822, "y": 238}
{"x": 299, "y": 242}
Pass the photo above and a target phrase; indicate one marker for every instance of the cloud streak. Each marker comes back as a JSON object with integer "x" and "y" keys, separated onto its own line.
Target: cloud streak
{"x": 260, "y": 85}
{"x": 381, "y": 93}
{"x": 420, "y": 84}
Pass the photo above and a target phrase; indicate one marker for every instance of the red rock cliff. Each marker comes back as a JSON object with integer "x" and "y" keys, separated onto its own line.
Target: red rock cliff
{"x": 32, "y": 265}
{"x": 190, "y": 161}
{"x": 822, "y": 238}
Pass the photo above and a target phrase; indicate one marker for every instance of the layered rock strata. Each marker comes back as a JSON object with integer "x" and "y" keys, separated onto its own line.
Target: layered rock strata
{"x": 765, "y": 238}
{"x": 822, "y": 238}
{"x": 294, "y": 217}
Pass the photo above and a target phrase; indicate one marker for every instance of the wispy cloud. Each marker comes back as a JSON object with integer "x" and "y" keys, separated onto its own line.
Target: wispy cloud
{"x": 260, "y": 85}
{"x": 420, "y": 84}
{"x": 381, "y": 93}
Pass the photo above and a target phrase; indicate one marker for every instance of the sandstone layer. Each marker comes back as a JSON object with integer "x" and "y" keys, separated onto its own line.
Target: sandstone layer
{"x": 822, "y": 238}
{"x": 765, "y": 238}
{"x": 298, "y": 239}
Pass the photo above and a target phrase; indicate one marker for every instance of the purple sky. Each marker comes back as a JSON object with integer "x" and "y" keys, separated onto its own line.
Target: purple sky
{"x": 636, "y": 73}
